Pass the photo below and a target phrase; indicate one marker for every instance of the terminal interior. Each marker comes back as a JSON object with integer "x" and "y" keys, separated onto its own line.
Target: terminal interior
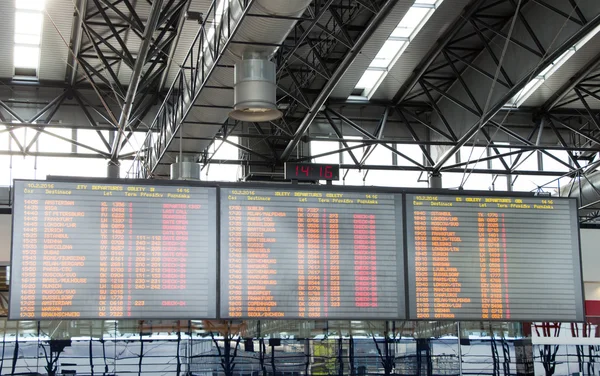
{"x": 410, "y": 101}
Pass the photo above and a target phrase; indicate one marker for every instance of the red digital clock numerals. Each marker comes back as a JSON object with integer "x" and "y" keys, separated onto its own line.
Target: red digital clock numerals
{"x": 311, "y": 172}
{"x": 303, "y": 170}
{"x": 325, "y": 172}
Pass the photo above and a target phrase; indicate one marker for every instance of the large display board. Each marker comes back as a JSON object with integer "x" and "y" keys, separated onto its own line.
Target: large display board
{"x": 493, "y": 258}
{"x": 99, "y": 251}
{"x": 291, "y": 253}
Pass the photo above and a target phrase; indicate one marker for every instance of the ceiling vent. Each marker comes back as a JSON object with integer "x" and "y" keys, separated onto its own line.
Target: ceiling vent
{"x": 255, "y": 89}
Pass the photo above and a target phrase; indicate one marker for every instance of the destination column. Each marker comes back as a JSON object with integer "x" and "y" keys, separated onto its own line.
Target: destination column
{"x": 260, "y": 228}
{"x": 60, "y": 275}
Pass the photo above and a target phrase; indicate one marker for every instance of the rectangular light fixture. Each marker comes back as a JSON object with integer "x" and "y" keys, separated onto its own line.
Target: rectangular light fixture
{"x": 29, "y": 19}
{"x": 536, "y": 82}
{"x": 406, "y": 30}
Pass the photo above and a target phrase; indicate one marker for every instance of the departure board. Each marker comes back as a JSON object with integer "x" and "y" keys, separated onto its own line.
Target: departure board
{"x": 293, "y": 253}
{"x": 493, "y": 258}
{"x": 99, "y": 251}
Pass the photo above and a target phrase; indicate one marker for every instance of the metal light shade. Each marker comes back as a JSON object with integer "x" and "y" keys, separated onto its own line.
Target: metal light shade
{"x": 255, "y": 91}
{"x": 185, "y": 169}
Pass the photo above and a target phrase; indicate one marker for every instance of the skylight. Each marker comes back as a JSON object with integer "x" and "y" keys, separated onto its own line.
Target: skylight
{"x": 535, "y": 83}
{"x": 29, "y": 18}
{"x": 395, "y": 45}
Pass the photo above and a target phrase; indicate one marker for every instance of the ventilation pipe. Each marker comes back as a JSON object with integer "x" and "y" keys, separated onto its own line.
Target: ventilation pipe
{"x": 586, "y": 189}
{"x": 185, "y": 168}
{"x": 254, "y": 89}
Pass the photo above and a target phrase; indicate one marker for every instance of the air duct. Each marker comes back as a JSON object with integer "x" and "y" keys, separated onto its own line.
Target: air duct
{"x": 254, "y": 93}
{"x": 586, "y": 189}
{"x": 185, "y": 169}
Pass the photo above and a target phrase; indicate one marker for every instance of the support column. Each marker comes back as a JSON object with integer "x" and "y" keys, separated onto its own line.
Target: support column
{"x": 113, "y": 170}
{"x": 435, "y": 180}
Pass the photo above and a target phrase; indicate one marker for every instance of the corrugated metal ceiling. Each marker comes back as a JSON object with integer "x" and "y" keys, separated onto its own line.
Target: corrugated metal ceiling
{"x": 186, "y": 37}
{"x": 7, "y": 31}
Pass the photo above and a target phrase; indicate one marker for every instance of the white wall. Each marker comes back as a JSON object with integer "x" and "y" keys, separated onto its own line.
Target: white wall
{"x": 590, "y": 254}
{"x": 5, "y": 230}
{"x": 592, "y": 291}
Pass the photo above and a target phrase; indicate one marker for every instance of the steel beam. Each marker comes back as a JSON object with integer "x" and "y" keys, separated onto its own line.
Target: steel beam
{"x": 136, "y": 76}
{"x": 591, "y": 67}
{"x": 500, "y": 103}
{"x": 336, "y": 76}
{"x": 436, "y": 50}
{"x": 72, "y": 62}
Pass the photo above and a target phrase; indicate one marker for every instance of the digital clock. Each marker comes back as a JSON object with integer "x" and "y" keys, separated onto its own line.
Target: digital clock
{"x": 312, "y": 171}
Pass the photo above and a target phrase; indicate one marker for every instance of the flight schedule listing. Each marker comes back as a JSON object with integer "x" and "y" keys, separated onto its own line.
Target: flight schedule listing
{"x": 99, "y": 250}
{"x": 304, "y": 254}
{"x": 493, "y": 258}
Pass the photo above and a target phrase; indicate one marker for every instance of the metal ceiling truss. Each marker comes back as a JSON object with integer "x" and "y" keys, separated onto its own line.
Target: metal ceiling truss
{"x": 379, "y": 131}
{"x": 482, "y": 24}
{"x": 472, "y": 39}
{"x": 190, "y": 80}
{"x": 584, "y": 122}
{"x": 98, "y": 62}
{"x": 342, "y": 29}
{"x": 584, "y": 125}
{"x": 105, "y": 58}
{"x": 395, "y": 117}
{"x": 310, "y": 62}
{"x": 16, "y": 115}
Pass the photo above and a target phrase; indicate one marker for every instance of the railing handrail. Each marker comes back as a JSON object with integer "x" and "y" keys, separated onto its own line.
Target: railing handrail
{"x": 162, "y": 107}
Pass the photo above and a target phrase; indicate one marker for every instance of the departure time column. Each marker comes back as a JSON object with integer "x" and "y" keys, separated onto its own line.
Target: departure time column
{"x": 334, "y": 259}
{"x": 235, "y": 261}
{"x": 314, "y": 262}
{"x": 29, "y": 258}
{"x": 421, "y": 265}
{"x": 117, "y": 260}
{"x": 301, "y": 263}
{"x": 103, "y": 287}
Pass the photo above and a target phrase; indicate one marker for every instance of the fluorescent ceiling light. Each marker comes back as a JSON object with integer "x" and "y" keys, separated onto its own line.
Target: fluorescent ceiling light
{"x": 535, "y": 83}
{"x": 30, "y": 4}
{"x": 28, "y": 22}
{"x": 410, "y": 25}
{"x": 28, "y": 36}
{"x": 27, "y": 57}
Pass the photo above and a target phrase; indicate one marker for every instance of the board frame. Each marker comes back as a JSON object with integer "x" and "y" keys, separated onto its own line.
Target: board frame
{"x": 172, "y": 183}
{"x": 404, "y": 191}
{"x": 332, "y": 188}
{"x": 573, "y": 217}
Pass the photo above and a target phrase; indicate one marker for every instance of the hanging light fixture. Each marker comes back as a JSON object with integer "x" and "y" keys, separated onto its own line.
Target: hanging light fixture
{"x": 255, "y": 89}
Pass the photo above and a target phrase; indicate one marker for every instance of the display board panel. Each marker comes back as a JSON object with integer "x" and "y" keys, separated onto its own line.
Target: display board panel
{"x": 493, "y": 258}
{"x": 100, "y": 250}
{"x": 292, "y": 253}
